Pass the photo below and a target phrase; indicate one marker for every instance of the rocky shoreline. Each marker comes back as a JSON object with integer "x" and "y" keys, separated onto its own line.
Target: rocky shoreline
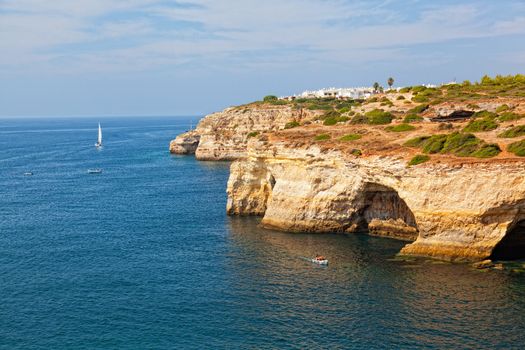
{"x": 458, "y": 209}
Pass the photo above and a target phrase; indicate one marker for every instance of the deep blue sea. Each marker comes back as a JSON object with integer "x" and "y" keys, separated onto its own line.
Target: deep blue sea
{"x": 143, "y": 256}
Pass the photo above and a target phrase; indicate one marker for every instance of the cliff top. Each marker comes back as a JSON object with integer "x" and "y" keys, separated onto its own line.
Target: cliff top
{"x": 465, "y": 122}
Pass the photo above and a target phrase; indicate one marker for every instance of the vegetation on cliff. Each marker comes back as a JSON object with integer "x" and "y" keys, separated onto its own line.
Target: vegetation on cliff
{"x": 400, "y": 128}
{"x": 419, "y": 159}
{"x": 516, "y": 131}
{"x": 518, "y": 148}
{"x": 458, "y": 144}
{"x": 350, "y": 137}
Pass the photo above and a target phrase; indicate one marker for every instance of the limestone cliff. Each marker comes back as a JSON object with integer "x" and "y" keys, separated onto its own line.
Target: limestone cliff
{"x": 455, "y": 212}
{"x": 224, "y": 135}
{"x": 341, "y": 172}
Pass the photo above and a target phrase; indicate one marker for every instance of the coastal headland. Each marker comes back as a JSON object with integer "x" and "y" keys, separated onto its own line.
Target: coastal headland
{"x": 442, "y": 168}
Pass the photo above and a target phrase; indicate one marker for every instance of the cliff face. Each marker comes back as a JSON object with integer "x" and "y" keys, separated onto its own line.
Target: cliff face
{"x": 454, "y": 212}
{"x": 224, "y": 135}
{"x": 313, "y": 179}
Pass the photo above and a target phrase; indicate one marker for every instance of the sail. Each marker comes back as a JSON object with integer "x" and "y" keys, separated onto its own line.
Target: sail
{"x": 99, "y": 134}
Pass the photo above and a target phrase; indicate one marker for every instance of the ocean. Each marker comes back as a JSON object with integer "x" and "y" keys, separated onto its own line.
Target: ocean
{"x": 143, "y": 256}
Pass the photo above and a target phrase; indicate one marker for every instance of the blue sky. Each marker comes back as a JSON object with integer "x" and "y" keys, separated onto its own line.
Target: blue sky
{"x": 188, "y": 57}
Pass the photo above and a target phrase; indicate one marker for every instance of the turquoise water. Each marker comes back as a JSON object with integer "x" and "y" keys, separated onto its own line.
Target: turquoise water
{"x": 143, "y": 256}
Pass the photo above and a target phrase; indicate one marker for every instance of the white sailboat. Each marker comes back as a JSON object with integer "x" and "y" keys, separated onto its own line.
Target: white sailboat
{"x": 99, "y": 142}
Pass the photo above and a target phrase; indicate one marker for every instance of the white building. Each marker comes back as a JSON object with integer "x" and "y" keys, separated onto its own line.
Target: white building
{"x": 341, "y": 93}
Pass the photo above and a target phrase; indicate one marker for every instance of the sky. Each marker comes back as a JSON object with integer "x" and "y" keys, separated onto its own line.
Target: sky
{"x": 192, "y": 57}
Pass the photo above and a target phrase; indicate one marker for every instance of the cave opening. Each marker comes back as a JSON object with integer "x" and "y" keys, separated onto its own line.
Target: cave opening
{"x": 512, "y": 246}
{"x": 385, "y": 213}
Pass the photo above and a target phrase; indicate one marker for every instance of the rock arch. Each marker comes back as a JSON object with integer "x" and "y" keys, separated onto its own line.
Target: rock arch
{"x": 384, "y": 213}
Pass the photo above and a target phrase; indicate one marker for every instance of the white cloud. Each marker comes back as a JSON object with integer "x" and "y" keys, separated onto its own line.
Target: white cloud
{"x": 139, "y": 34}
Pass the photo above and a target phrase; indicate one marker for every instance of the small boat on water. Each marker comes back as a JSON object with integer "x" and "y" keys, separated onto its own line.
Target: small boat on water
{"x": 94, "y": 171}
{"x": 320, "y": 261}
{"x": 28, "y": 173}
{"x": 99, "y": 140}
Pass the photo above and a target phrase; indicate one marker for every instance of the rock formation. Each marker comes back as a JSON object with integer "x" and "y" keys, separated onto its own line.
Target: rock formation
{"x": 450, "y": 208}
{"x": 454, "y": 212}
{"x": 224, "y": 135}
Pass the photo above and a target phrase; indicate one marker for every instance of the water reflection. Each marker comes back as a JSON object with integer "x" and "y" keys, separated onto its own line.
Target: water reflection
{"x": 365, "y": 294}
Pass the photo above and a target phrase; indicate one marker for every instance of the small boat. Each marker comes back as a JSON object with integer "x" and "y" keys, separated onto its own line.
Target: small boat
{"x": 94, "y": 171}
{"x": 319, "y": 262}
{"x": 99, "y": 141}
{"x": 28, "y": 173}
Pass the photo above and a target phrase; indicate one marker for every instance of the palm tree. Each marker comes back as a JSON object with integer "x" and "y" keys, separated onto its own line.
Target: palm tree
{"x": 376, "y": 86}
{"x": 390, "y": 82}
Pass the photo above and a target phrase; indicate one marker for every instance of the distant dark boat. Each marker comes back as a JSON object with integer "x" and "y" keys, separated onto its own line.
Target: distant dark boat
{"x": 94, "y": 171}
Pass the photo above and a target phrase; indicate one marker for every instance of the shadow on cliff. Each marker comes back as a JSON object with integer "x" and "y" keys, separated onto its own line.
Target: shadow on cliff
{"x": 512, "y": 245}
{"x": 384, "y": 213}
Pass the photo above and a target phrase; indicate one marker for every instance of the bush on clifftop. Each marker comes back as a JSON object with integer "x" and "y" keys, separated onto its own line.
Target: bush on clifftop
{"x": 291, "y": 125}
{"x": 270, "y": 98}
{"x": 400, "y": 128}
{"x": 322, "y": 137}
{"x": 350, "y": 137}
{"x": 378, "y": 117}
{"x": 420, "y": 158}
{"x": 458, "y": 144}
{"x": 485, "y": 124}
{"x": 516, "y": 131}
{"x": 509, "y": 116}
{"x": 518, "y": 148}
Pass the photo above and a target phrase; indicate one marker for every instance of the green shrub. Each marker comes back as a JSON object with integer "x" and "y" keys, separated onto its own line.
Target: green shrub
{"x": 478, "y": 125}
{"x": 420, "y": 158}
{"x": 359, "y": 119}
{"x": 330, "y": 121}
{"x": 419, "y": 109}
{"x": 518, "y": 148}
{"x": 350, "y": 137}
{"x": 344, "y": 110}
{"x": 292, "y": 124}
{"x": 356, "y": 152}
{"x": 487, "y": 151}
{"x": 516, "y": 131}
{"x": 400, "y": 128}
{"x": 417, "y": 141}
{"x": 320, "y": 107}
{"x": 322, "y": 137}
{"x": 434, "y": 144}
{"x": 411, "y": 118}
{"x": 379, "y": 117}
{"x": 418, "y": 89}
{"x": 372, "y": 100}
{"x": 420, "y": 99}
{"x": 405, "y": 90}
{"x": 270, "y": 98}
{"x": 458, "y": 144}
{"x": 333, "y": 117}
{"x": 505, "y": 117}
{"x": 331, "y": 114}
{"x": 472, "y": 106}
{"x": 253, "y": 134}
{"x": 485, "y": 114}
{"x": 279, "y": 102}
{"x": 399, "y": 98}
{"x": 502, "y": 108}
